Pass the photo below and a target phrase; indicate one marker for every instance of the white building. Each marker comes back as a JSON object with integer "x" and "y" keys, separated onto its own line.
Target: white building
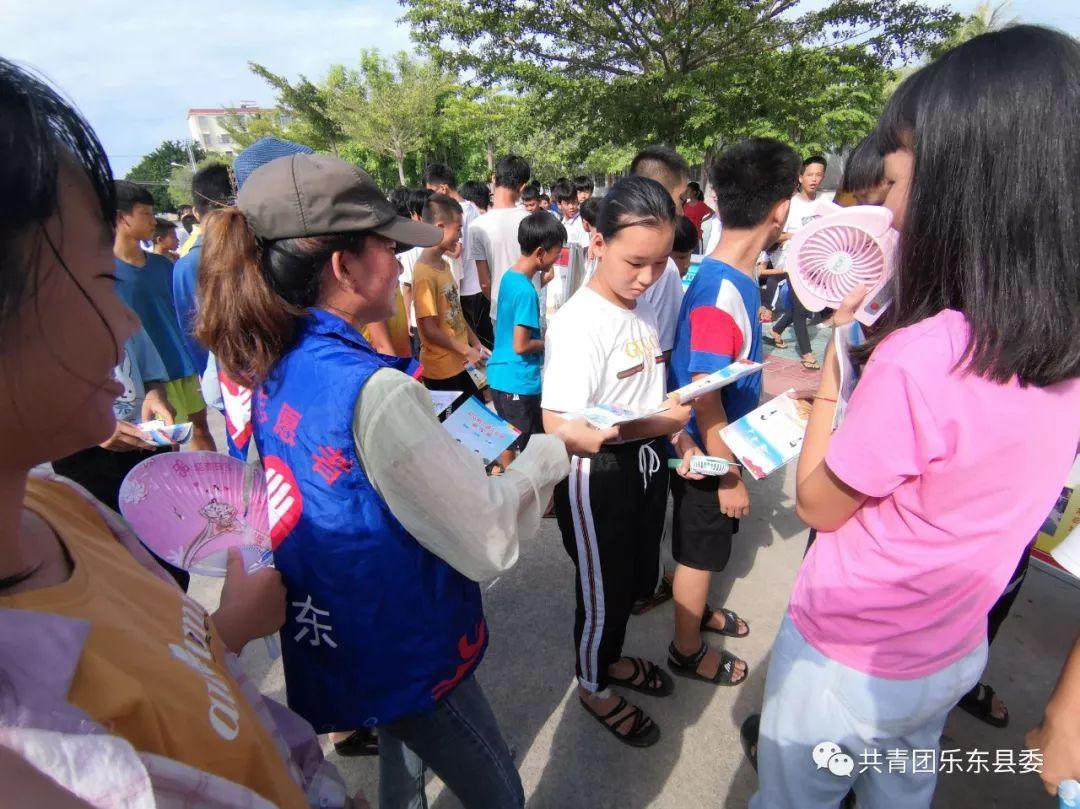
{"x": 206, "y": 125}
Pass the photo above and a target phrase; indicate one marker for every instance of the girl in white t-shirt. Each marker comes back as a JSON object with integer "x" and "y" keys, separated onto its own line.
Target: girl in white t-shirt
{"x": 602, "y": 348}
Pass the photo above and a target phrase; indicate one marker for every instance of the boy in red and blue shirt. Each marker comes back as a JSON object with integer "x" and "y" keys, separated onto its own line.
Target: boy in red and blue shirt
{"x": 717, "y": 326}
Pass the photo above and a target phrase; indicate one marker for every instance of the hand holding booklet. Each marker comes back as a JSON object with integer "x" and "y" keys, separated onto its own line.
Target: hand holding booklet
{"x": 608, "y": 415}
{"x": 767, "y": 438}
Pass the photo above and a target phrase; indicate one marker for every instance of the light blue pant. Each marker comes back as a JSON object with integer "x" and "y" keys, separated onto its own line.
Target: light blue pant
{"x": 460, "y": 741}
{"x": 810, "y": 699}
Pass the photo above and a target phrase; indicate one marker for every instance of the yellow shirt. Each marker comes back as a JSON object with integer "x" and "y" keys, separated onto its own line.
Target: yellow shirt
{"x": 398, "y": 326}
{"x": 152, "y": 670}
{"x": 189, "y": 242}
{"x": 435, "y": 294}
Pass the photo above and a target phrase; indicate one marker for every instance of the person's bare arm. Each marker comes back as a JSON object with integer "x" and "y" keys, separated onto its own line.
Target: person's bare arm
{"x": 1058, "y": 737}
{"x": 430, "y": 332}
{"x": 483, "y": 272}
{"x": 669, "y": 421}
{"x": 711, "y": 419}
{"x": 525, "y": 343}
{"x": 379, "y": 337}
{"x": 25, "y": 785}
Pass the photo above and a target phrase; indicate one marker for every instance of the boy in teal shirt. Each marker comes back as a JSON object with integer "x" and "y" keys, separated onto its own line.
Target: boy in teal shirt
{"x": 514, "y": 369}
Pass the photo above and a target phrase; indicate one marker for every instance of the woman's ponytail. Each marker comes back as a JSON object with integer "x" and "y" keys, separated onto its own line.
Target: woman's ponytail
{"x": 241, "y": 318}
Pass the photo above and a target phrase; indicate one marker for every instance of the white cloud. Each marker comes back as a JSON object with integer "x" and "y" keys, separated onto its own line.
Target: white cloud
{"x": 135, "y": 68}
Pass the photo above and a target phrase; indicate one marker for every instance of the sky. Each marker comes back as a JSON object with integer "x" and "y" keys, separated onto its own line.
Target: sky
{"x": 134, "y": 75}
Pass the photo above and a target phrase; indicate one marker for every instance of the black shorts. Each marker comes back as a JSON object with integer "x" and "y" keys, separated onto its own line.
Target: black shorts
{"x": 523, "y": 411}
{"x": 701, "y": 533}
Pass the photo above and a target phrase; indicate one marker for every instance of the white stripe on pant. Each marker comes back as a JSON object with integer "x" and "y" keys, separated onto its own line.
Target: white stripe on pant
{"x": 592, "y": 583}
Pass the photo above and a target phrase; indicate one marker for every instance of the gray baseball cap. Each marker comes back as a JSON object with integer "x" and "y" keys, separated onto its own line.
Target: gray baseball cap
{"x": 316, "y": 195}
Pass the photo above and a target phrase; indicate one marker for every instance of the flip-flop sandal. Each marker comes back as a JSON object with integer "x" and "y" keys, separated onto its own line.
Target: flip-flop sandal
{"x": 648, "y": 679}
{"x": 749, "y": 732}
{"x": 779, "y": 342}
{"x": 979, "y": 702}
{"x": 663, "y": 593}
{"x": 731, "y": 623}
{"x": 643, "y": 731}
{"x": 811, "y": 365}
{"x": 361, "y": 742}
{"x": 687, "y": 666}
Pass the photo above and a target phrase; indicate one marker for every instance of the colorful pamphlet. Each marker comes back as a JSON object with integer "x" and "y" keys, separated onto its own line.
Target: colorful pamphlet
{"x": 442, "y": 399}
{"x": 1059, "y": 535}
{"x": 846, "y": 338}
{"x": 166, "y": 435}
{"x": 604, "y": 416}
{"x": 715, "y": 380}
{"x": 767, "y": 438}
{"x": 477, "y": 428}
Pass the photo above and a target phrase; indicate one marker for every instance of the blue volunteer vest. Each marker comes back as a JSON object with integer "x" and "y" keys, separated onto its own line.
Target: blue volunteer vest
{"x": 377, "y": 627}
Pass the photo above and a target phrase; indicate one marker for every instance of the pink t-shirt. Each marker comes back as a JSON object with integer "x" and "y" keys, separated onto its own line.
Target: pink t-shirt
{"x": 960, "y": 473}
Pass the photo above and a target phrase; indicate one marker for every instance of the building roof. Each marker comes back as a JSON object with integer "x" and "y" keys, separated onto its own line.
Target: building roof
{"x": 228, "y": 110}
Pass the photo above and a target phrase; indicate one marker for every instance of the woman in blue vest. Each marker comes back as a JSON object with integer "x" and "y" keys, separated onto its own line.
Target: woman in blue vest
{"x": 382, "y": 524}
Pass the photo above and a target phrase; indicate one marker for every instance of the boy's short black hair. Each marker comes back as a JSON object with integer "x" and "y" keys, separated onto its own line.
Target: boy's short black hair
{"x": 211, "y": 187}
{"x": 399, "y": 198}
{"x": 590, "y": 210}
{"x": 563, "y": 191}
{"x": 583, "y": 183}
{"x": 545, "y": 198}
{"x": 815, "y": 158}
{"x": 418, "y": 198}
{"x": 750, "y": 177}
{"x": 129, "y": 194}
{"x": 540, "y": 229}
{"x": 512, "y": 171}
{"x": 478, "y": 193}
{"x": 440, "y": 174}
{"x": 660, "y": 163}
{"x": 686, "y": 236}
{"x": 529, "y": 193}
{"x": 189, "y": 221}
{"x": 865, "y": 167}
{"x": 441, "y": 208}
{"x": 162, "y": 228}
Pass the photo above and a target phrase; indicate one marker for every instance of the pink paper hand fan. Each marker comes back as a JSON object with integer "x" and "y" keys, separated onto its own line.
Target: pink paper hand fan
{"x": 846, "y": 247}
{"x": 190, "y": 508}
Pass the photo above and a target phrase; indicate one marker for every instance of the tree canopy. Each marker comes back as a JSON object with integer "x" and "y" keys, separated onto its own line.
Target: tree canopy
{"x": 155, "y": 169}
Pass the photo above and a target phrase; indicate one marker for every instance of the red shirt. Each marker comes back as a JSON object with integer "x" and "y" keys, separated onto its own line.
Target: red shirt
{"x": 696, "y": 212}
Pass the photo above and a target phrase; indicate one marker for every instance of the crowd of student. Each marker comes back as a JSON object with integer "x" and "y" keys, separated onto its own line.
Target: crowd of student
{"x": 336, "y": 308}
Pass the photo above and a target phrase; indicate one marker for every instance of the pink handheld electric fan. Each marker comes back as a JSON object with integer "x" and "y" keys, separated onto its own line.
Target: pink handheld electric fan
{"x": 845, "y": 247}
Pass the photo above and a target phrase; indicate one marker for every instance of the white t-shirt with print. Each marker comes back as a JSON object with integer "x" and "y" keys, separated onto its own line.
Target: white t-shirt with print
{"x": 493, "y": 237}
{"x": 596, "y": 352}
{"x": 801, "y": 212}
{"x": 665, "y": 298}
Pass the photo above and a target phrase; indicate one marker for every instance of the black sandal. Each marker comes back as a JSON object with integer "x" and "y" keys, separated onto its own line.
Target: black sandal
{"x": 979, "y": 702}
{"x": 730, "y": 620}
{"x": 654, "y": 681}
{"x": 643, "y": 731}
{"x": 361, "y": 742}
{"x": 749, "y": 732}
{"x": 663, "y": 593}
{"x": 687, "y": 665}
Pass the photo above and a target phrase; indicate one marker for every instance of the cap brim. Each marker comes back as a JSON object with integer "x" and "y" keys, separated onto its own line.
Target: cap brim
{"x": 414, "y": 234}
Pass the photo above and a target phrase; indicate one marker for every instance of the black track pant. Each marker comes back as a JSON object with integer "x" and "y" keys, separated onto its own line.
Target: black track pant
{"x": 611, "y": 515}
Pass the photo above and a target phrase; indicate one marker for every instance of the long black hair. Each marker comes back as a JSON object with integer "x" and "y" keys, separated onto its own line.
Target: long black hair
{"x": 993, "y": 218}
{"x": 865, "y": 168}
{"x": 38, "y": 130}
{"x": 634, "y": 201}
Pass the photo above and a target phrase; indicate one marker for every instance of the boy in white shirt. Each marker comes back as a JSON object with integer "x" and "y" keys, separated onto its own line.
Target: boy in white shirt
{"x": 670, "y": 169}
{"x": 602, "y": 348}
{"x": 493, "y": 236}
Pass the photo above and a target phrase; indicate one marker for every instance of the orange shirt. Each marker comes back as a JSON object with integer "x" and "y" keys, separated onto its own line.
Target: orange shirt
{"x": 152, "y": 670}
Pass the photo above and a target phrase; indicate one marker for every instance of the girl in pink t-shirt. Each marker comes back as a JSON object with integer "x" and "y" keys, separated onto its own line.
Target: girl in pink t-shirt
{"x": 957, "y": 440}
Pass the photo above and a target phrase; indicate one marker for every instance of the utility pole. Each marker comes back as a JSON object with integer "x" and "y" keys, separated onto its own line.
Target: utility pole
{"x": 190, "y": 154}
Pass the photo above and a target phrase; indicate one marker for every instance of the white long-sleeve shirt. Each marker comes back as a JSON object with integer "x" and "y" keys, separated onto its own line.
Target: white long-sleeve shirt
{"x": 439, "y": 491}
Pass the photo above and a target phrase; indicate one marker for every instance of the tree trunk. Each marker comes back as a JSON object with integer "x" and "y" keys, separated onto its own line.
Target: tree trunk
{"x": 491, "y": 156}
{"x": 400, "y": 160}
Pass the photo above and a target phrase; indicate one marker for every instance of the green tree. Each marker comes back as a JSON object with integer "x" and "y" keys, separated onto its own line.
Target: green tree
{"x": 389, "y": 107}
{"x": 179, "y": 187}
{"x": 307, "y": 105}
{"x": 693, "y": 72}
{"x": 155, "y": 169}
